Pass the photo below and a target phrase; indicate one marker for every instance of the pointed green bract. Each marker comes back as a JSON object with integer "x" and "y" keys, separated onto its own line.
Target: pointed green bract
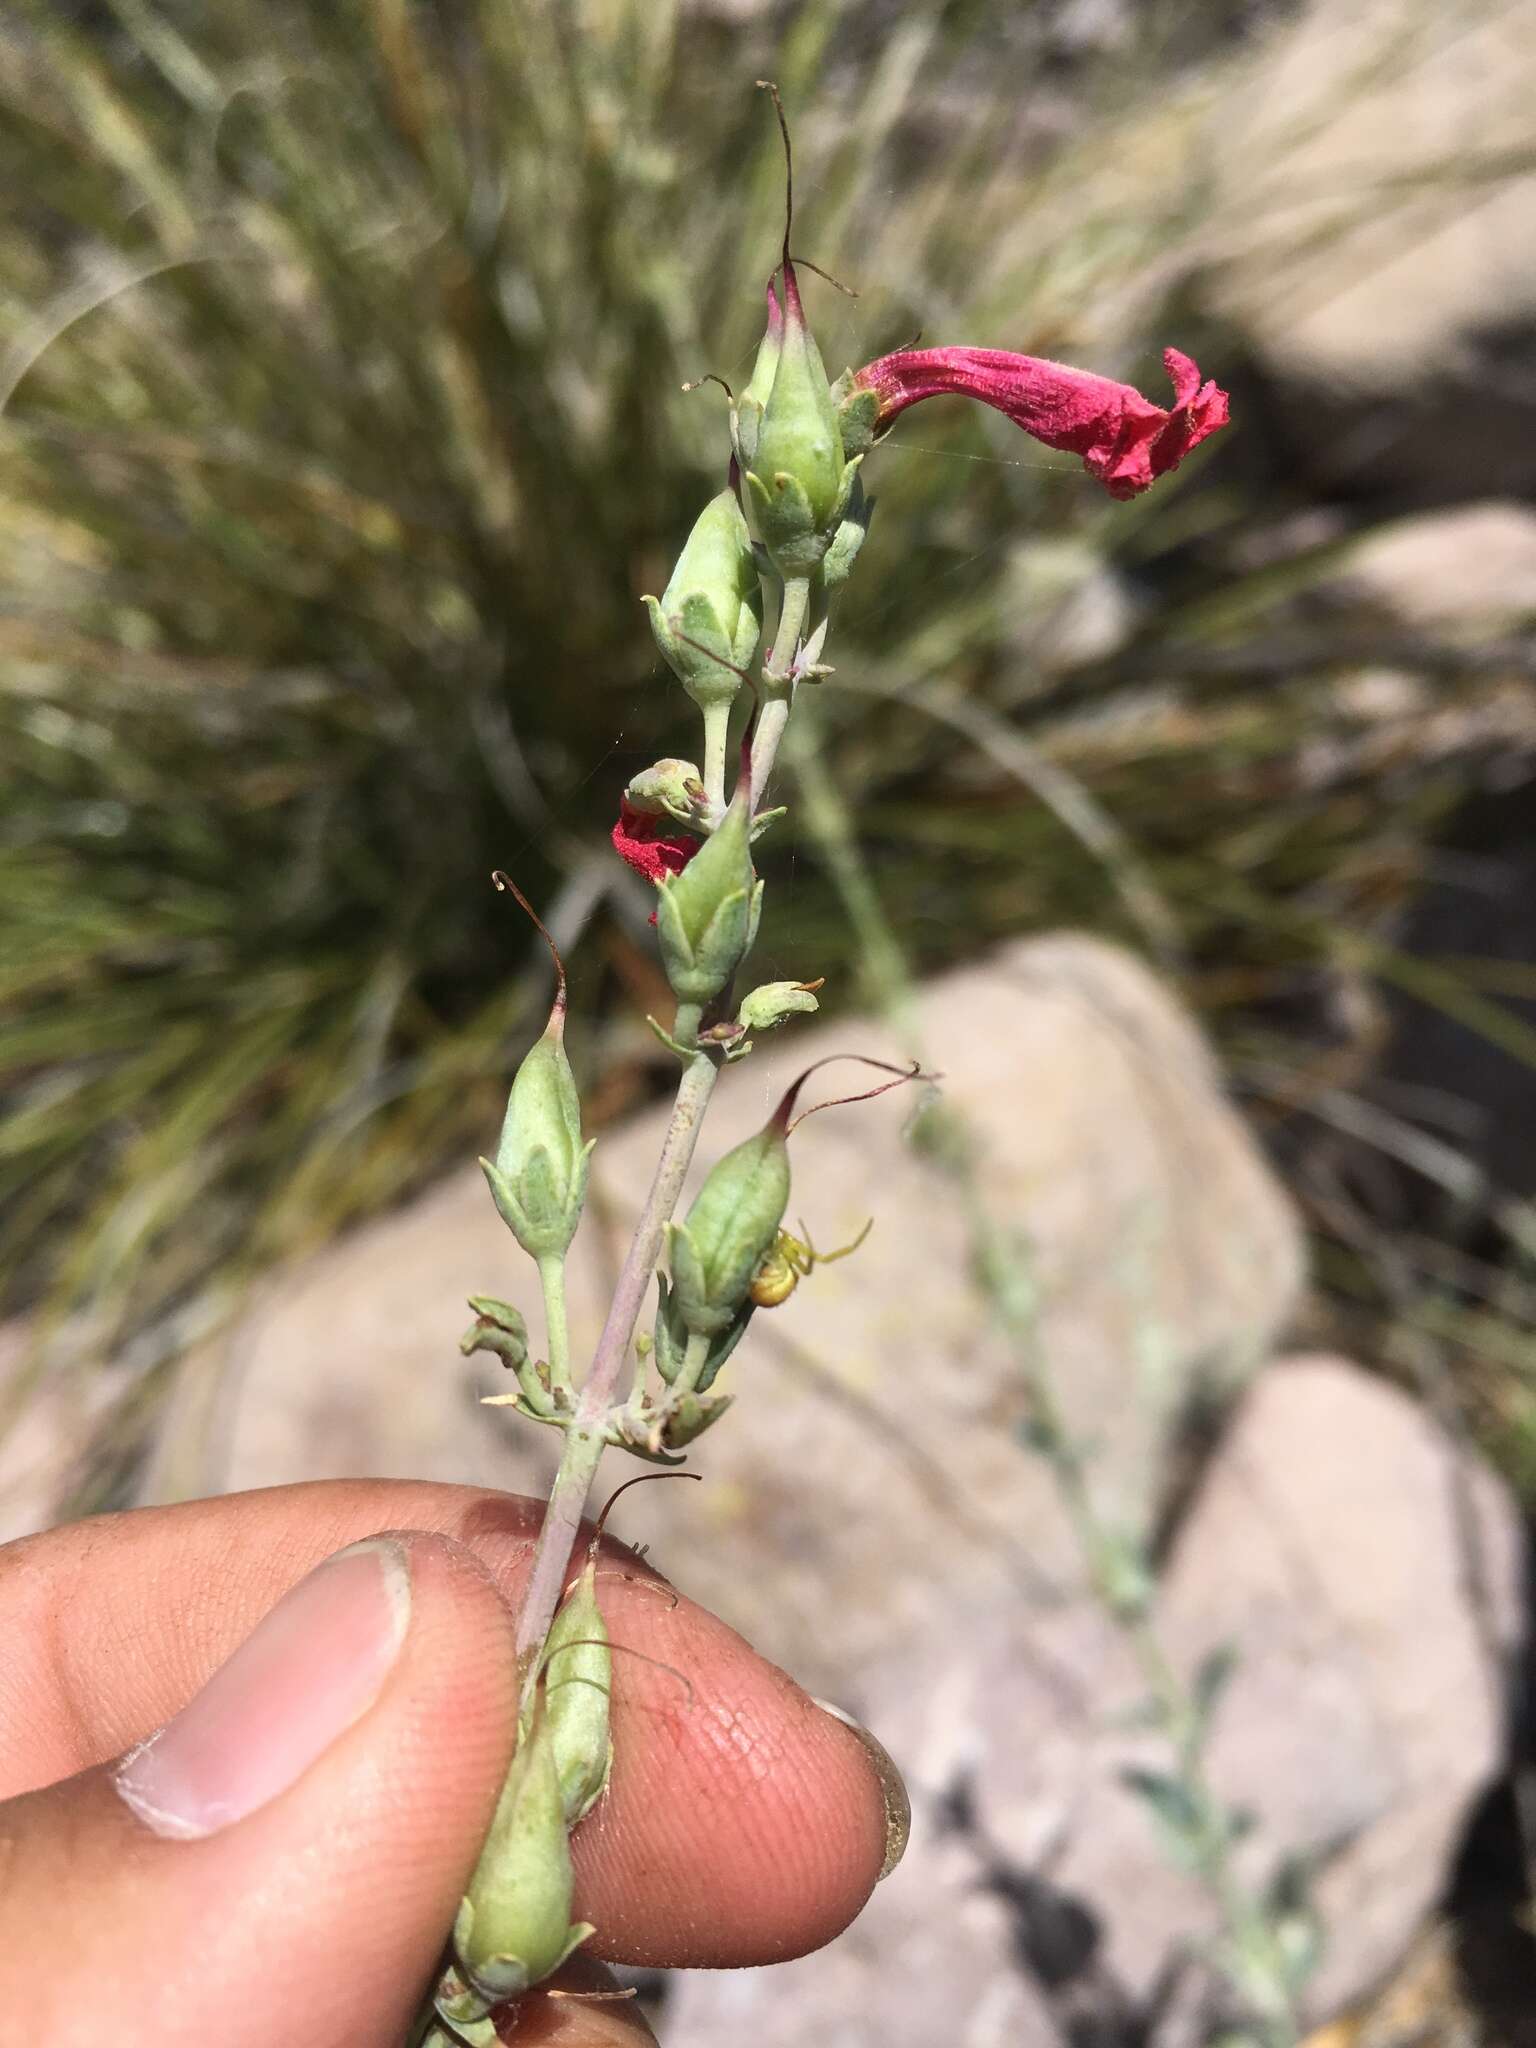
{"x": 773, "y": 1002}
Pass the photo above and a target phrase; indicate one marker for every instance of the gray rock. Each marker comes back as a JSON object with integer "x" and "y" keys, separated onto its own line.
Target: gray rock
{"x": 1470, "y": 571}
{"x": 1374, "y": 208}
{"x": 1333, "y": 1544}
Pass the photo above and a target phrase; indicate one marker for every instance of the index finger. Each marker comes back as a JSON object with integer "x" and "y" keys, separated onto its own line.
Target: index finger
{"x": 743, "y": 1824}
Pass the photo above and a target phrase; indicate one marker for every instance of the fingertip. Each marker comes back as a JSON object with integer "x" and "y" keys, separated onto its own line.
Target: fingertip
{"x": 744, "y": 1824}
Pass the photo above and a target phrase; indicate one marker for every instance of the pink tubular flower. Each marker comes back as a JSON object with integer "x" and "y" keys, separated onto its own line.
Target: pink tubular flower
{"x": 653, "y": 847}
{"x": 1125, "y": 440}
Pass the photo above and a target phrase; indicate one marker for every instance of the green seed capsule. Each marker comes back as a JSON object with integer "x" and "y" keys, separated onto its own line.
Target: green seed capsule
{"x": 578, "y": 1688}
{"x": 734, "y": 1220}
{"x": 514, "y": 1923}
{"x": 539, "y": 1177}
{"x": 709, "y": 617}
{"x": 799, "y": 479}
{"x": 706, "y": 917}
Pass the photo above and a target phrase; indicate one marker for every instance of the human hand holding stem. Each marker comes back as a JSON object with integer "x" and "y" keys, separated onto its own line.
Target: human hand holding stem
{"x": 797, "y": 447}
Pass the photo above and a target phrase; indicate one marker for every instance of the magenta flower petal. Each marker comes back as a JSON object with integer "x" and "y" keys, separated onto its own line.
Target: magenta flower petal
{"x": 653, "y": 847}
{"x": 1124, "y": 440}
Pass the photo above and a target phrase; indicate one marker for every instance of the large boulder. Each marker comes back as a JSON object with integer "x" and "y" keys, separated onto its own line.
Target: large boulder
{"x": 1365, "y": 1572}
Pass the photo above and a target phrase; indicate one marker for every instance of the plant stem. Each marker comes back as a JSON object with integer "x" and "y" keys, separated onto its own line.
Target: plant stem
{"x": 778, "y": 682}
{"x": 1004, "y": 1279}
{"x": 584, "y": 1439}
{"x": 717, "y": 718}
{"x": 552, "y": 1279}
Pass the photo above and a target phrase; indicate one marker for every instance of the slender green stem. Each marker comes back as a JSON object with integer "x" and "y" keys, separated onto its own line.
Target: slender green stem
{"x": 717, "y": 718}
{"x": 552, "y": 1279}
{"x": 584, "y": 1440}
{"x": 778, "y": 681}
{"x": 1006, "y": 1282}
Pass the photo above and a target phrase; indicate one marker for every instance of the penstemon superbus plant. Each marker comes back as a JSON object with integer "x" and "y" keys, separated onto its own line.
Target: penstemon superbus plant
{"x": 784, "y": 533}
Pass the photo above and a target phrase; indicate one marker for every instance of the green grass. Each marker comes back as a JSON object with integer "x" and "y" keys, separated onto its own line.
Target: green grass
{"x": 341, "y": 350}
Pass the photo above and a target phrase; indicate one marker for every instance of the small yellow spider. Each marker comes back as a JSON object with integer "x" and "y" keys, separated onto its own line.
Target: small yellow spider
{"x": 786, "y": 1264}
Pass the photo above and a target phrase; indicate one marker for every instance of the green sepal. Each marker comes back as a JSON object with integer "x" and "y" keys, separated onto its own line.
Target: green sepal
{"x": 840, "y": 557}
{"x": 747, "y": 412}
{"x": 690, "y": 1287}
{"x": 791, "y": 532}
{"x": 500, "y": 1329}
{"x": 670, "y": 1333}
{"x": 746, "y": 429}
{"x": 769, "y": 1005}
{"x": 857, "y": 411}
{"x": 460, "y": 2005}
{"x": 691, "y": 1417}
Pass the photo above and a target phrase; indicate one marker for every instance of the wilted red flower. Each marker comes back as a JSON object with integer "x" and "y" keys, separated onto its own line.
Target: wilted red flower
{"x": 653, "y": 846}
{"x": 1125, "y": 440}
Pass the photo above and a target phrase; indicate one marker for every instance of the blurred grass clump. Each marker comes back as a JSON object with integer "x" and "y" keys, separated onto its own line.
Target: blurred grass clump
{"x": 340, "y": 364}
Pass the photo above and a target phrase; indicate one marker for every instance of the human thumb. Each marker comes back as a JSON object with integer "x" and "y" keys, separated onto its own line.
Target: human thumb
{"x": 282, "y": 1859}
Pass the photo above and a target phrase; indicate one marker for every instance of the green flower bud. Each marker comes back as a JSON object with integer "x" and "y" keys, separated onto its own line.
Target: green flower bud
{"x": 668, "y": 789}
{"x": 514, "y": 1923}
{"x": 799, "y": 478}
{"x": 774, "y": 1002}
{"x": 710, "y": 615}
{"x": 706, "y": 917}
{"x": 837, "y": 563}
{"x": 858, "y": 409}
{"x": 670, "y": 1341}
{"x": 539, "y": 1177}
{"x": 500, "y": 1329}
{"x": 578, "y": 1685}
